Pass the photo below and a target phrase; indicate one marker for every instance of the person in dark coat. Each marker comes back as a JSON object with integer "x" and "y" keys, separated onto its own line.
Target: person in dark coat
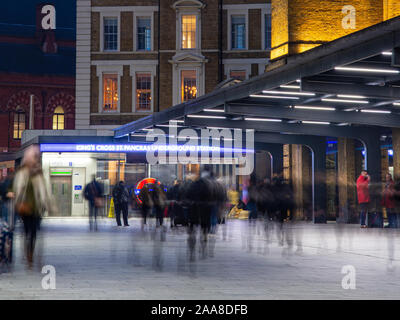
{"x": 93, "y": 192}
{"x": 160, "y": 201}
{"x": 121, "y": 199}
{"x": 146, "y": 203}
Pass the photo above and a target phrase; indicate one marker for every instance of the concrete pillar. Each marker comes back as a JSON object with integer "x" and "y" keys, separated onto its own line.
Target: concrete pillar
{"x": 319, "y": 183}
{"x": 277, "y": 160}
{"x": 384, "y": 164}
{"x": 396, "y": 152}
{"x": 373, "y": 166}
{"x": 287, "y": 163}
{"x": 347, "y": 181}
{"x": 301, "y": 177}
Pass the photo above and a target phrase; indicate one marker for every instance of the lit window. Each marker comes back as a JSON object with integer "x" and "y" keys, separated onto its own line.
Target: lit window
{"x": 110, "y": 34}
{"x": 188, "y": 31}
{"x": 267, "y": 31}
{"x": 58, "y": 119}
{"x": 144, "y": 34}
{"x": 19, "y": 124}
{"x": 238, "y": 32}
{"x": 188, "y": 85}
{"x": 238, "y": 74}
{"x": 143, "y": 91}
{"x": 110, "y": 92}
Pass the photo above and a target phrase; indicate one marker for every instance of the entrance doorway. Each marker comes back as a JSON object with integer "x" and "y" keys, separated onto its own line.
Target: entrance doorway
{"x": 61, "y": 189}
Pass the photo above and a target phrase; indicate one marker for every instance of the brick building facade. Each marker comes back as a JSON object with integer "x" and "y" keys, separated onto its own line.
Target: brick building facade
{"x": 137, "y": 57}
{"x": 36, "y": 65}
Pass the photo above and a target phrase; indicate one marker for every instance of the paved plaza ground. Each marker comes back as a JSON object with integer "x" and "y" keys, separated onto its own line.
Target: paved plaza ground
{"x": 241, "y": 261}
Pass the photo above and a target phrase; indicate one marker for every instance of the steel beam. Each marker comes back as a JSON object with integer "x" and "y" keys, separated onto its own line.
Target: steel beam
{"x": 376, "y": 92}
{"x": 383, "y": 120}
{"x": 307, "y": 129}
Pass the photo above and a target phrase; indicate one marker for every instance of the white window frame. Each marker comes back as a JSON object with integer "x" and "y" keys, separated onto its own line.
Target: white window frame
{"x": 265, "y": 11}
{"x": 110, "y": 15}
{"x": 109, "y": 69}
{"x": 236, "y": 12}
{"x": 184, "y": 12}
{"x": 176, "y": 80}
{"x": 236, "y": 66}
{"x": 142, "y": 67}
{"x": 144, "y": 14}
{"x": 244, "y": 64}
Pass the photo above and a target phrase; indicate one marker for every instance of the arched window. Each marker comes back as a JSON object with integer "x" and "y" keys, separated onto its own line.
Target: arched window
{"x": 19, "y": 123}
{"x": 58, "y": 119}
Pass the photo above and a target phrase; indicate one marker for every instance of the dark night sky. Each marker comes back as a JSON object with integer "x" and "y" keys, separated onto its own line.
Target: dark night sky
{"x": 24, "y": 11}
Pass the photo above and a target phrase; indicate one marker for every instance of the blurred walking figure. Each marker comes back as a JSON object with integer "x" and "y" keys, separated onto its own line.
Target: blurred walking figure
{"x": 32, "y": 198}
{"x": 93, "y": 193}
{"x": 253, "y": 197}
{"x": 121, "y": 199}
{"x": 147, "y": 203}
{"x": 175, "y": 209}
{"x": 388, "y": 201}
{"x": 160, "y": 201}
{"x": 6, "y": 194}
{"x": 284, "y": 203}
{"x": 363, "y": 196}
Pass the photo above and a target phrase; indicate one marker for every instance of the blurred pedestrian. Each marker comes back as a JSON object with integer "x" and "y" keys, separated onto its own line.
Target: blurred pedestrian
{"x": 253, "y": 197}
{"x": 32, "y": 198}
{"x": 121, "y": 199}
{"x": 160, "y": 202}
{"x": 388, "y": 201}
{"x": 174, "y": 208}
{"x": 6, "y": 195}
{"x": 94, "y": 194}
{"x": 363, "y": 196}
{"x": 146, "y": 203}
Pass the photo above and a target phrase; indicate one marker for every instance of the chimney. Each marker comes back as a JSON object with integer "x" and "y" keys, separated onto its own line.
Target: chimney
{"x": 45, "y": 28}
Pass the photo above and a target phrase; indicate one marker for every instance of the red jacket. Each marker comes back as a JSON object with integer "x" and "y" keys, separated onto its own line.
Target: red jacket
{"x": 388, "y": 195}
{"x": 362, "y": 189}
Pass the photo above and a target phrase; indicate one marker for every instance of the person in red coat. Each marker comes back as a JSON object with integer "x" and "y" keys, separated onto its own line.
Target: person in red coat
{"x": 363, "y": 195}
{"x": 388, "y": 201}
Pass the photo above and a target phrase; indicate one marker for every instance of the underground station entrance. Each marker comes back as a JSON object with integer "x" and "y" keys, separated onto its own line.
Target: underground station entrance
{"x": 320, "y": 117}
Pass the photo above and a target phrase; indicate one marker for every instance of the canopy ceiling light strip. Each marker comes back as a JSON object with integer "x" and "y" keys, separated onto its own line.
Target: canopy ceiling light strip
{"x": 367, "y": 70}
{"x": 263, "y": 119}
{"x": 205, "y": 117}
{"x": 345, "y": 101}
{"x": 273, "y": 97}
{"x": 289, "y": 93}
{"x": 315, "y": 108}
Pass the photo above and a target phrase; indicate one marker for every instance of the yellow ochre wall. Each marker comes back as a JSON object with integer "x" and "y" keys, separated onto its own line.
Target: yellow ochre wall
{"x": 300, "y": 25}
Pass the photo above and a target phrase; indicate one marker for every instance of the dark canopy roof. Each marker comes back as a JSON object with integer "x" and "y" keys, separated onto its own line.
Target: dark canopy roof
{"x": 361, "y": 69}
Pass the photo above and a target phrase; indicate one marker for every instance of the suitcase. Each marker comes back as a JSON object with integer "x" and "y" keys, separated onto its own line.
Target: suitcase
{"x": 6, "y": 233}
{"x": 375, "y": 220}
{"x": 6, "y": 243}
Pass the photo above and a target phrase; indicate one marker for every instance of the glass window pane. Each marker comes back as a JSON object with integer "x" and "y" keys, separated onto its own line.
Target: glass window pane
{"x": 267, "y": 31}
{"x": 188, "y": 31}
{"x": 19, "y": 125}
{"x": 238, "y": 32}
{"x": 238, "y": 74}
{"x": 143, "y": 91}
{"x": 188, "y": 85}
{"x": 110, "y": 34}
{"x": 110, "y": 92}
{"x": 144, "y": 34}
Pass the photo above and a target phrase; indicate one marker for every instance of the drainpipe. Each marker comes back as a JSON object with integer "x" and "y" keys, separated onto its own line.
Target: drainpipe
{"x": 220, "y": 33}
{"x": 158, "y": 65}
